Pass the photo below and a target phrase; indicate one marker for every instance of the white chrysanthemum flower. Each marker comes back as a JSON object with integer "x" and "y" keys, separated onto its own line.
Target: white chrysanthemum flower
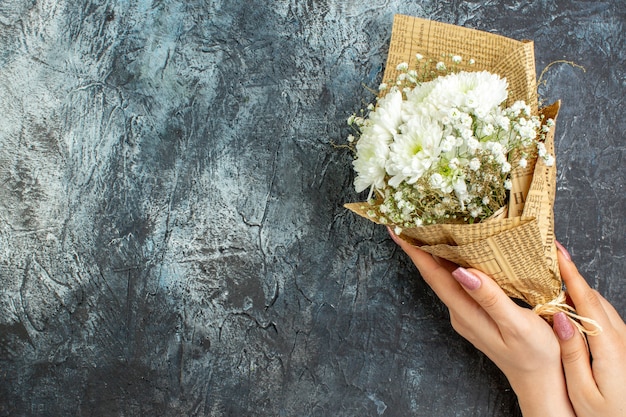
{"x": 373, "y": 146}
{"x": 484, "y": 91}
{"x": 386, "y": 119}
{"x": 417, "y": 100}
{"x": 370, "y": 163}
{"x": 508, "y": 185}
{"x": 414, "y": 150}
{"x": 445, "y": 93}
{"x": 506, "y": 167}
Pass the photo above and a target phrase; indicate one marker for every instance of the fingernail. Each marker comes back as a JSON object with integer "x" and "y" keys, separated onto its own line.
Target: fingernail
{"x": 466, "y": 278}
{"x": 563, "y": 327}
{"x": 563, "y": 251}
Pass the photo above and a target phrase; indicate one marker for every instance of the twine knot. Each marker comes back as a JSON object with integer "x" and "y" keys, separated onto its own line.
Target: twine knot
{"x": 559, "y": 304}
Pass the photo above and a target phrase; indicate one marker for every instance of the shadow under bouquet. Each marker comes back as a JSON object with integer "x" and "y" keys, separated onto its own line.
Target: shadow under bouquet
{"x": 458, "y": 159}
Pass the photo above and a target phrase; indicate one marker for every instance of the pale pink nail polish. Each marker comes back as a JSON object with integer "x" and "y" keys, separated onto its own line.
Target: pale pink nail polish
{"x": 563, "y": 251}
{"x": 563, "y": 327}
{"x": 466, "y": 278}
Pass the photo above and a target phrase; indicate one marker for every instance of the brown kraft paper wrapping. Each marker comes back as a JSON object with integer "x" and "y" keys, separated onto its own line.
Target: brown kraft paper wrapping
{"x": 517, "y": 250}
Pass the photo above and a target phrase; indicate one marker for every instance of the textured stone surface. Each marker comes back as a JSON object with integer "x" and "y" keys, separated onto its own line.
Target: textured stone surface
{"x": 172, "y": 237}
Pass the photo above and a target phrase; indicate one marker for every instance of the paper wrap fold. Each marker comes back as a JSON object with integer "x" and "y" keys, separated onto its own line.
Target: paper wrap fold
{"x": 517, "y": 250}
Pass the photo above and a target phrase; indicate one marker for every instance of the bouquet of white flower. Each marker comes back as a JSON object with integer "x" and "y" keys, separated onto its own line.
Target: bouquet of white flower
{"x": 458, "y": 159}
{"x": 442, "y": 150}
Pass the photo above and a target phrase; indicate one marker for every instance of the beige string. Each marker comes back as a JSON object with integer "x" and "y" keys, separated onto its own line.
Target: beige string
{"x": 549, "y": 309}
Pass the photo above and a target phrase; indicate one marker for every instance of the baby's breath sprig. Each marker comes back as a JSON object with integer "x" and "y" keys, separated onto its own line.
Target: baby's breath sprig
{"x": 425, "y": 70}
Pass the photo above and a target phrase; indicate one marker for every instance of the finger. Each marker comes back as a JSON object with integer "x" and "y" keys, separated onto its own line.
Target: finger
{"x": 422, "y": 260}
{"x": 467, "y": 317}
{"x": 608, "y": 344}
{"x": 575, "y": 357}
{"x": 478, "y": 328}
{"x": 488, "y": 294}
{"x": 476, "y": 289}
{"x": 585, "y": 299}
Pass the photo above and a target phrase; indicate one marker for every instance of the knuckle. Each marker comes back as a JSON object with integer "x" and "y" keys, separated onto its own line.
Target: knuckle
{"x": 573, "y": 356}
{"x": 456, "y": 324}
{"x": 519, "y": 330}
{"x": 489, "y": 300}
{"x": 592, "y": 298}
{"x": 460, "y": 326}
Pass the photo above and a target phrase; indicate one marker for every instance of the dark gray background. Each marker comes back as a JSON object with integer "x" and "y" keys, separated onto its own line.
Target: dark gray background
{"x": 172, "y": 237}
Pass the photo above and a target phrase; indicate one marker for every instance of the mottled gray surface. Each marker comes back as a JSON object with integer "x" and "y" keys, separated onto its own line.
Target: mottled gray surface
{"x": 172, "y": 237}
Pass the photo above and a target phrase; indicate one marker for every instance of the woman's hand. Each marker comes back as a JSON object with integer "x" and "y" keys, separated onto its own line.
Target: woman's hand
{"x": 518, "y": 341}
{"x": 596, "y": 387}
